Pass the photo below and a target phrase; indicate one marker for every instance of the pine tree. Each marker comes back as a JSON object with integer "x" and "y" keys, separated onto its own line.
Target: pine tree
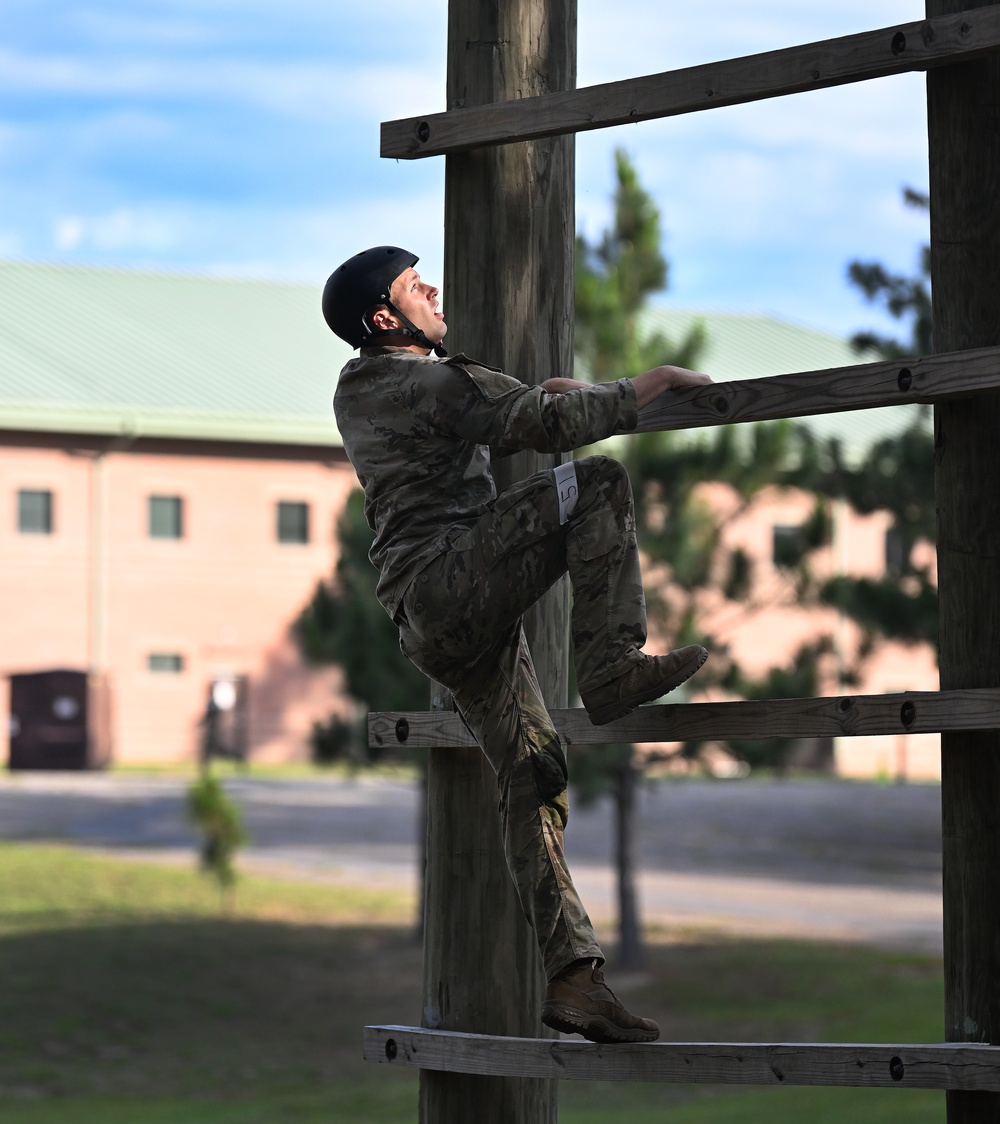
{"x": 614, "y": 280}
{"x": 897, "y": 474}
{"x": 904, "y": 298}
{"x": 344, "y": 624}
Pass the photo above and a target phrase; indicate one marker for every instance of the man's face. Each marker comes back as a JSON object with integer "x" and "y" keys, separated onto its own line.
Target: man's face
{"x": 418, "y": 301}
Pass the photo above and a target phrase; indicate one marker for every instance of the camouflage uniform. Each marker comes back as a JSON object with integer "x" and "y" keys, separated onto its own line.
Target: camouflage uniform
{"x": 460, "y": 565}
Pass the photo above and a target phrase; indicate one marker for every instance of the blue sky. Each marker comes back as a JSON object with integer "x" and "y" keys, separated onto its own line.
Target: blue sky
{"x": 240, "y": 138}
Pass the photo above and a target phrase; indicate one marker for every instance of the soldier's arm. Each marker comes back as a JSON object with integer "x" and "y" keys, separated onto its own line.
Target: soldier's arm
{"x": 466, "y": 400}
{"x": 648, "y": 386}
{"x": 561, "y": 386}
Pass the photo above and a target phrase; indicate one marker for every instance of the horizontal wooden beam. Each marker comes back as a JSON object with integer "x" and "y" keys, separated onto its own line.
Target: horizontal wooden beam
{"x": 912, "y": 712}
{"x": 813, "y": 66}
{"x": 863, "y": 386}
{"x": 952, "y": 1065}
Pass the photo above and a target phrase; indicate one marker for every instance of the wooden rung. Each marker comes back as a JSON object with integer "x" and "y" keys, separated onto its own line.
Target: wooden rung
{"x": 813, "y": 66}
{"x": 913, "y": 712}
{"x": 862, "y": 386}
{"x": 949, "y": 1065}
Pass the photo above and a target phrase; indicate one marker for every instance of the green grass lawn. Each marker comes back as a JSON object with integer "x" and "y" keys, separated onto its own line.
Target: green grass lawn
{"x": 126, "y": 997}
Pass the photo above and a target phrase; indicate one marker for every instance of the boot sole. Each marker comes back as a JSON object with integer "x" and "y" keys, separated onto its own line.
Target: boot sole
{"x": 595, "y": 1028}
{"x": 626, "y": 705}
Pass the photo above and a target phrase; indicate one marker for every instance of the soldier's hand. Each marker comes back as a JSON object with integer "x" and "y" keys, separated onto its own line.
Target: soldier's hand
{"x": 676, "y": 377}
{"x": 651, "y": 384}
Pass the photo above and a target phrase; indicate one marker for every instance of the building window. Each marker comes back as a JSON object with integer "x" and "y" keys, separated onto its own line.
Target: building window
{"x": 293, "y": 522}
{"x": 34, "y": 512}
{"x": 169, "y": 662}
{"x": 787, "y": 549}
{"x": 895, "y": 553}
{"x": 166, "y": 517}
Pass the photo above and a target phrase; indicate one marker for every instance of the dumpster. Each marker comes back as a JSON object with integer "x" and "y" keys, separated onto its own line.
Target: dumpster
{"x": 58, "y": 720}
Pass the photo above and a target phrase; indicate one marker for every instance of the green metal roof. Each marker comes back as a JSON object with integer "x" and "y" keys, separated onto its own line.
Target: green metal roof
{"x": 122, "y": 352}
{"x": 104, "y": 351}
{"x": 748, "y": 346}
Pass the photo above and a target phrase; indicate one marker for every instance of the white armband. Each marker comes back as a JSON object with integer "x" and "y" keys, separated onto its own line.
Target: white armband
{"x": 567, "y": 488}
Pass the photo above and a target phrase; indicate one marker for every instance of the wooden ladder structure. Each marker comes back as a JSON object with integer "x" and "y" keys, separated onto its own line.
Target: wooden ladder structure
{"x": 509, "y": 228}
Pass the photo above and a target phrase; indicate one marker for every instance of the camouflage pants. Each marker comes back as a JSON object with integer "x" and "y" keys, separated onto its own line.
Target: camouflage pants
{"x": 460, "y": 623}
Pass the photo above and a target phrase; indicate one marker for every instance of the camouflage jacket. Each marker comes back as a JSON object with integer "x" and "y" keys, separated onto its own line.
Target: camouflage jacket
{"x": 419, "y": 431}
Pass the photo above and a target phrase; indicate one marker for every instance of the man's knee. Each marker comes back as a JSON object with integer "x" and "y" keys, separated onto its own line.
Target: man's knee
{"x": 603, "y": 466}
{"x": 534, "y": 774}
{"x": 551, "y": 774}
{"x": 608, "y": 476}
{"x": 604, "y": 519}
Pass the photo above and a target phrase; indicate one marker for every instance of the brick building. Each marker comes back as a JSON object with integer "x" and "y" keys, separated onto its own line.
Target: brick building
{"x": 171, "y": 477}
{"x": 170, "y": 480}
{"x": 768, "y": 624}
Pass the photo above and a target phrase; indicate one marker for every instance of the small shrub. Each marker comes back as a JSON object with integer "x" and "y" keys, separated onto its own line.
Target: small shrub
{"x": 221, "y": 826}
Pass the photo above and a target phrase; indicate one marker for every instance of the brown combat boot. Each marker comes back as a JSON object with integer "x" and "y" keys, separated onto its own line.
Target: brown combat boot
{"x": 578, "y": 1001}
{"x": 650, "y": 679}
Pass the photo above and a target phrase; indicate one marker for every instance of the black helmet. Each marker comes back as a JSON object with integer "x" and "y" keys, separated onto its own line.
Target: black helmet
{"x": 361, "y": 283}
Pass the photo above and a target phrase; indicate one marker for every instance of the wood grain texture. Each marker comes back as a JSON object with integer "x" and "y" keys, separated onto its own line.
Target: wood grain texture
{"x": 812, "y": 66}
{"x": 927, "y": 379}
{"x": 910, "y": 712}
{"x": 963, "y": 121}
{"x": 903, "y": 1066}
{"x": 508, "y": 269}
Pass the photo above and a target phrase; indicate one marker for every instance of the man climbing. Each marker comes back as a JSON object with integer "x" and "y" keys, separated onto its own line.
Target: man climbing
{"x": 460, "y": 565}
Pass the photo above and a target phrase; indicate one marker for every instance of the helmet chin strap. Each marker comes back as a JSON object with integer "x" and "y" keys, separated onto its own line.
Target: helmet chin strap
{"x": 408, "y": 331}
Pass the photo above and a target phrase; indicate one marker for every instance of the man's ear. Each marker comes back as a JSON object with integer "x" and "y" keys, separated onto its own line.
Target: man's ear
{"x": 383, "y": 320}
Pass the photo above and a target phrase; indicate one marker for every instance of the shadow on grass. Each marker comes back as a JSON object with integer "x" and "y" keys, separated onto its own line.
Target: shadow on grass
{"x": 217, "y": 1008}
{"x": 124, "y": 997}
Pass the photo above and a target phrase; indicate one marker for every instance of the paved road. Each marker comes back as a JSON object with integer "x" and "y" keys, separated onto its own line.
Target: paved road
{"x": 824, "y": 858}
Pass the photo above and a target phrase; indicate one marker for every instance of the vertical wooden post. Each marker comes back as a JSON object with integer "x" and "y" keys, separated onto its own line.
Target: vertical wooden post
{"x": 508, "y": 299}
{"x": 964, "y": 133}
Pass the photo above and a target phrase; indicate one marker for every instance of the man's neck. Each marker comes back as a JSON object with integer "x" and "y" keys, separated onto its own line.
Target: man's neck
{"x": 412, "y": 348}
{"x": 404, "y": 344}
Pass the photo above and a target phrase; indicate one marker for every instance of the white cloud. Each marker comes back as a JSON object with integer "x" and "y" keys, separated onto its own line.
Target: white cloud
{"x": 646, "y": 37}
{"x": 68, "y": 233}
{"x": 295, "y": 244}
{"x": 161, "y": 31}
{"x": 763, "y": 205}
{"x": 180, "y": 133}
{"x": 306, "y": 90}
{"x": 136, "y": 230}
{"x": 11, "y": 245}
{"x": 305, "y": 245}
